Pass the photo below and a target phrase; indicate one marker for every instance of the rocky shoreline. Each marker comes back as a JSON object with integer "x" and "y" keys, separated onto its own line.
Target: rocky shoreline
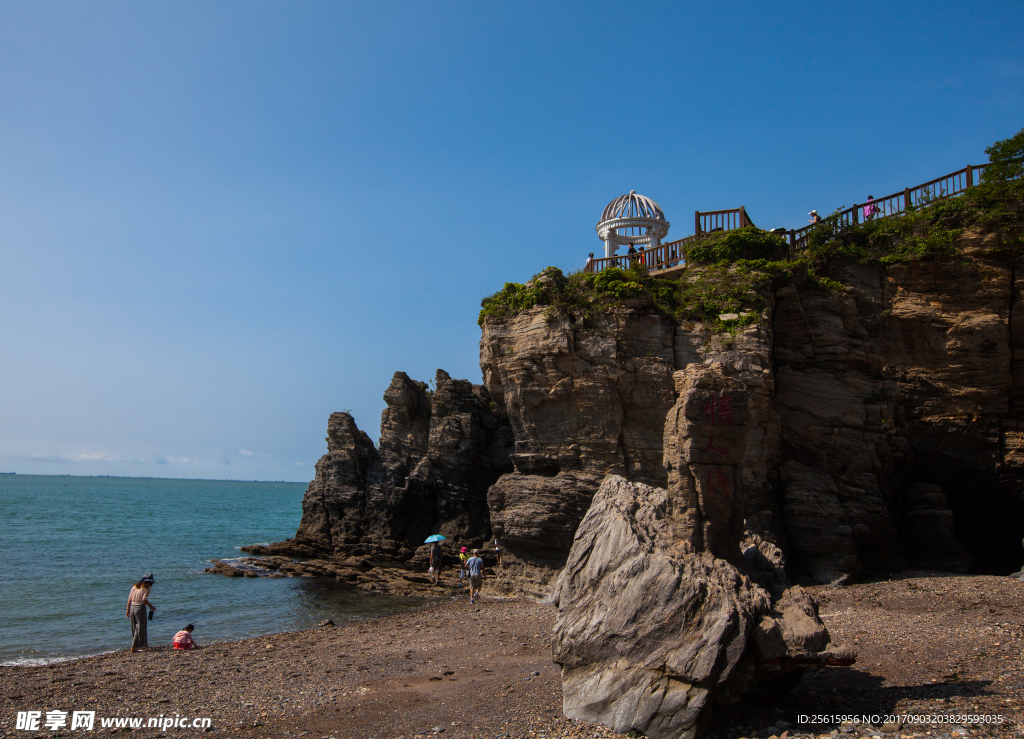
{"x": 930, "y": 645}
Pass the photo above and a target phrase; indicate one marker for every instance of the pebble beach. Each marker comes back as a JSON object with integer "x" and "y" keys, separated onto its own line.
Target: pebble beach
{"x": 930, "y": 646}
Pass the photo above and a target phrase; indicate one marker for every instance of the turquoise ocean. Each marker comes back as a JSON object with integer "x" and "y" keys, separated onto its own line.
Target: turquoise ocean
{"x": 71, "y": 547}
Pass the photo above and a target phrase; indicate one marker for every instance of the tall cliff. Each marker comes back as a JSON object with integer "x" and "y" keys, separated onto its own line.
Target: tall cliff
{"x": 889, "y": 400}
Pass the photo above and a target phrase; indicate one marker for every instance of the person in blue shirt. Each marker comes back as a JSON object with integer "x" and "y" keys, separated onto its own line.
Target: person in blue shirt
{"x": 475, "y": 567}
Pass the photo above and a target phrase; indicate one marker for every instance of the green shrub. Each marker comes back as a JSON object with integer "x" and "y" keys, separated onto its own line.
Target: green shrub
{"x": 827, "y": 283}
{"x": 701, "y": 294}
{"x": 924, "y": 233}
{"x": 731, "y": 246}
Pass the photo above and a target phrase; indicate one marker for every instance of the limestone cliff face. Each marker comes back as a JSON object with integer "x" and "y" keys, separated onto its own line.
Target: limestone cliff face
{"x": 438, "y": 454}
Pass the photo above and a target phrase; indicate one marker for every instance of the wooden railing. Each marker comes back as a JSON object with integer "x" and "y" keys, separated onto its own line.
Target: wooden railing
{"x": 710, "y": 221}
{"x": 947, "y": 186}
{"x": 673, "y": 253}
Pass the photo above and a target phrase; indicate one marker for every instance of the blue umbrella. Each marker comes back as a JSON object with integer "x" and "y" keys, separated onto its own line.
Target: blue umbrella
{"x": 435, "y": 537}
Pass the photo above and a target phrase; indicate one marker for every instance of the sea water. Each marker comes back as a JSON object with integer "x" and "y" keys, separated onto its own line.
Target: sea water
{"x": 71, "y": 547}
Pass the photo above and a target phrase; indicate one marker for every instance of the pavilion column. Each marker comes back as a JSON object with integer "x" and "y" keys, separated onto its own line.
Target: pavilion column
{"x": 609, "y": 248}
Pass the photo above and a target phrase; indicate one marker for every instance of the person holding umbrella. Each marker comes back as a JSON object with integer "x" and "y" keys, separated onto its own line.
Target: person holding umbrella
{"x": 435, "y": 557}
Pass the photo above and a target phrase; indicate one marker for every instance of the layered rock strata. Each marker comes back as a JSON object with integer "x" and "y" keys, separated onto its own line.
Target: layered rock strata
{"x": 906, "y": 377}
{"x": 585, "y": 402}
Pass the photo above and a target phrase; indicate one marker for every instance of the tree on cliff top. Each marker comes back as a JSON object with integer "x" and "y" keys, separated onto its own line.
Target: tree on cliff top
{"x": 1006, "y": 159}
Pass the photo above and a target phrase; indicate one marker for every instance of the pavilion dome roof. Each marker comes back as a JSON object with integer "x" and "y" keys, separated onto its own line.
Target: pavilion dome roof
{"x": 632, "y": 206}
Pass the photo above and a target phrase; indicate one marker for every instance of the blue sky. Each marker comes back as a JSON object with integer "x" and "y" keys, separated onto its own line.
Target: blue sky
{"x": 220, "y": 222}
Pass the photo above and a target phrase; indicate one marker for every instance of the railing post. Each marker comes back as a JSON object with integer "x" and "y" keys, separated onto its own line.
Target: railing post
{"x": 696, "y": 222}
{"x": 743, "y": 217}
{"x": 970, "y": 176}
{"x": 856, "y": 214}
{"x": 906, "y": 198}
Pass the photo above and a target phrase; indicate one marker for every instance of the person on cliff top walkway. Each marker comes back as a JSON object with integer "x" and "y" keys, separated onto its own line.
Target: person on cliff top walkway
{"x": 870, "y": 209}
{"x": 435, "y": 562}
{"x": 475, "y": 565}
{"x": 138, "y": 599}
{"x": 463, "y": 558}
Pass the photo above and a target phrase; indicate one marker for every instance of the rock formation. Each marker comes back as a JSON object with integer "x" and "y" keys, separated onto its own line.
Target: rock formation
{"x": 651, "y": 630}
{"x": 359, "y": 573}
{"x": 582, "y": 404}
{"x": 912, "y": 374}
{"x": 439, "y": 453}
{"x": 886, "y": 426}
{"x": 907, "y": 377}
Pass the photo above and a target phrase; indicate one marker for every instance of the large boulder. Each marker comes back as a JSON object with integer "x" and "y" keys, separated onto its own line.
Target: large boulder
{"x": 650, "y": 632}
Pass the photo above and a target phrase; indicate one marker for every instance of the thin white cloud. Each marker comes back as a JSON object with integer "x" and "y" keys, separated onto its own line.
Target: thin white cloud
{"x": 245, "y": 452}
{"x": 78, "y": 457}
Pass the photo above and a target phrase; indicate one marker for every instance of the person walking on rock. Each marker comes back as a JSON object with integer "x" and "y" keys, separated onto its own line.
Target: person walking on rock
{"x": 475, "y": 566}
{"x": 435, "y": 562}
{"x": 138, "y": 600}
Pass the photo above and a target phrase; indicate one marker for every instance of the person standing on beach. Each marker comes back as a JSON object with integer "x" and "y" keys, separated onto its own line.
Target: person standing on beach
{"x": 463, "y": 558}
{"x": 435, "y": 563}
{"x": 475, "y": 565}
{"x": 138, "y": 599}
{"x": 497, "y": 551}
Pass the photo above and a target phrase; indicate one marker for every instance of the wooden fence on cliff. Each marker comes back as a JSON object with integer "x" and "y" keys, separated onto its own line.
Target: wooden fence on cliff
{"x": 673, "y": 253}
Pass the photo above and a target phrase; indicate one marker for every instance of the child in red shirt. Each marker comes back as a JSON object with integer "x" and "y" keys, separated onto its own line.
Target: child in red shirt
{"x": 183, "y": 639}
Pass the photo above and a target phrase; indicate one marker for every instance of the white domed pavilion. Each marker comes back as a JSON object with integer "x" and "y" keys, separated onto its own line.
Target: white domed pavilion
{"x": 631, "y": 219}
